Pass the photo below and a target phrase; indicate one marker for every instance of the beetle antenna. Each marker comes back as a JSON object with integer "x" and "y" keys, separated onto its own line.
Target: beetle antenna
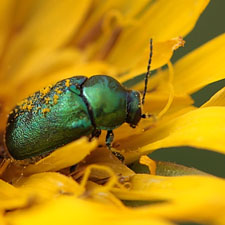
{"x": 148, "y": 72}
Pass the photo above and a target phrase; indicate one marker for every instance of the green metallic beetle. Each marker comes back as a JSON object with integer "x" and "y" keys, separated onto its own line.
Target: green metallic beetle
{"x": 72, "y": 108}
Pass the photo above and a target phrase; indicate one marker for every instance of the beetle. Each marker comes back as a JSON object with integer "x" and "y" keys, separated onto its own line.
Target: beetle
{"x": 72, "y": 108}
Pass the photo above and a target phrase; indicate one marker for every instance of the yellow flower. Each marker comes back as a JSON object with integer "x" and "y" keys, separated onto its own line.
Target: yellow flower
{"x": 44, "y": 41}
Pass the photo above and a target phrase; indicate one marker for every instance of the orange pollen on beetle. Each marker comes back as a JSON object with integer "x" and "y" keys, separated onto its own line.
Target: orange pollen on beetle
{"x": 15, "y": 116}
{"x": 47, "y": 100}
{"x": 45, "y": 91}
{"x": 58, "y": 91}
{"x": 23, "y": 102}
{"x": 27, "y": 105}
{"x": 46, "y": 110}
{"x": 55, "y": 99}
{"x": 67, "y": 83}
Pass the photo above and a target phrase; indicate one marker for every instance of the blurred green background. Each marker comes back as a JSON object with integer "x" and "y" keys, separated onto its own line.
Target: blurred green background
{"x": 210, "y": 25}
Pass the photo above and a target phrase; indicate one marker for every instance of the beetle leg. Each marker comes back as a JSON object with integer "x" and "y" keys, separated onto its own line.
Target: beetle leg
{"x": 118, "y": 156}
{"x": 95, "y": 133}
{"x": 109, "y": 140}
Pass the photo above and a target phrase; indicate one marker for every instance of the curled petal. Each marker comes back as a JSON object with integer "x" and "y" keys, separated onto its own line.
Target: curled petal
{"x": 216, "y": 100}
{"x": 200, "y": 67}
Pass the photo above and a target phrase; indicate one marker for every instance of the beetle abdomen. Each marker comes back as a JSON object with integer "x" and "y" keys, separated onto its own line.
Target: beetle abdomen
{"x": 48, "y": 119}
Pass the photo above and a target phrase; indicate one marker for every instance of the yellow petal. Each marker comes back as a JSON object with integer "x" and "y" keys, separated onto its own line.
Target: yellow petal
{"x": 68, "y": 210}
{"x": 201, "y": 67}
{"x": 187, "y": 198}
{"x": 63, "y": 157}
{"x": 6, "y": 9}
{"x": 44, "y": 186}
{"x": 43, "y": 32}
{"x": 36, "y": 189}
{"x": 125, "y": 132}
{"x": 201, "y": 128}
{"x": 11, "y": 197}
{"x": 105, "y": 12}
{"x": 151, "y": 187}
{"x": 161, "y": 20}
{"x": 216, "y": 100}
{"x": 156, "y": 101}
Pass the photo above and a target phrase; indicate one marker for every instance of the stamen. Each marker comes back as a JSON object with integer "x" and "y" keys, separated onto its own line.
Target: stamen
{"x": 113, "y": 179}
{"x": 151, "y": 164}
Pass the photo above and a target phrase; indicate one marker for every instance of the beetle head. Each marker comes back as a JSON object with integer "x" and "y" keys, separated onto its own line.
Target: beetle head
{"x": 133, "y": 108}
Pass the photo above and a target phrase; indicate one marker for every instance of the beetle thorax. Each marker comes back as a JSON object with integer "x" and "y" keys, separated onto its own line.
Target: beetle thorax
{"x": 108, "y": 101}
